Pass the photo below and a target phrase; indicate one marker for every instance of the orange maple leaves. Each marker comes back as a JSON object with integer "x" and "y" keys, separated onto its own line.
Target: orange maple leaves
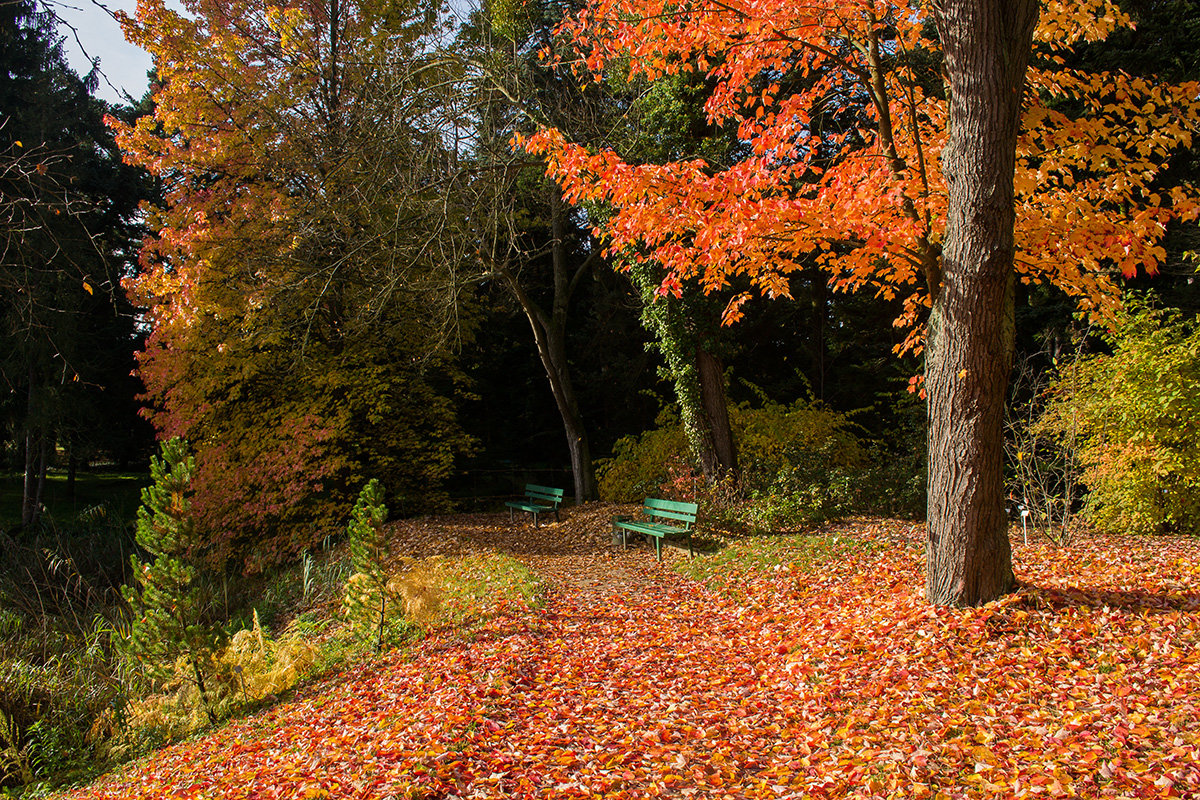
{"x": 865, "y": 199}
{"x": 829, "y": 681}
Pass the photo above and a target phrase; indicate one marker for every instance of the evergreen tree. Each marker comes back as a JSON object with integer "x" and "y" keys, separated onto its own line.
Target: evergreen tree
{"x": 68, "y": 227}
{"x": 366, "y": 591}
{"x": 368, "y": 546}
{"x": 167, "y": 619}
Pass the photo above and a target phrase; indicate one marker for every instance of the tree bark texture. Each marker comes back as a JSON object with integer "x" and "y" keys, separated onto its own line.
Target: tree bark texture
{"x": 552, "y": 350}
{"x": 971, "y": 331}
{"x": 722, "y": 451}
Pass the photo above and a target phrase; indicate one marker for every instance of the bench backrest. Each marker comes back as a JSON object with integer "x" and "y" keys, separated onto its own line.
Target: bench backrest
{"x": 670, "y": 509}
{"x": 547, "y": 494}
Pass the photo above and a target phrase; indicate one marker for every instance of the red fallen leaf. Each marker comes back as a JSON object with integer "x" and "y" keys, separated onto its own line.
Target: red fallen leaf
{"x": 700, "y": 706}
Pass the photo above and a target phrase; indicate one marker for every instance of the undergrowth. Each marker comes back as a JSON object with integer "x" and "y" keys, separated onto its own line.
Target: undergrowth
{"x": 283, "y": 630}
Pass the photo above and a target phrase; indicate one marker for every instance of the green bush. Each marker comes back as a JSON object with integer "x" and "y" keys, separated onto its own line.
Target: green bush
{"x": 639, "y": 464}
{"x": 1136, "y": 416}
{"x": 800, "y": 464}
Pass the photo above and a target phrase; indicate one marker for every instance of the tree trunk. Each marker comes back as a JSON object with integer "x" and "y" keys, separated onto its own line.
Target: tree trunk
{"x": 551, "y": 344}
{"x": 971, "y": 330}
{"x": 29, "y": 507}
{"x": 72, "y": 472}
{"x": 550, "y": 337}
{"x": 715, "y": 411}
{"x": 43, "y": 465}
{"x": 820, "y": 309}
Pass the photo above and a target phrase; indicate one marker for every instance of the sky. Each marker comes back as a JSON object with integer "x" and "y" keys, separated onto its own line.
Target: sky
{"x": 91, "y": 32}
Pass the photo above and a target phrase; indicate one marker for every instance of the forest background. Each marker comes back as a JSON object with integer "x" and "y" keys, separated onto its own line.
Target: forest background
{"x": 313, "y": 252}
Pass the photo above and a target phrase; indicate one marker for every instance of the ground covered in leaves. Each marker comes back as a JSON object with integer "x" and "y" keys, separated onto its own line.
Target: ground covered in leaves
{"x": 805, "y": 666}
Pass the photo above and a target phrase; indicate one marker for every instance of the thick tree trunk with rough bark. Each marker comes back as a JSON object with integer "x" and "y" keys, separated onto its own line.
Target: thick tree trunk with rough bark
{"x": 986, "y": 45}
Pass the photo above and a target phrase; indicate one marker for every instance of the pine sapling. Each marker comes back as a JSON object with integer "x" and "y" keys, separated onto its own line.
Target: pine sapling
{"x": 366, "y": 590}
{"x": 165, "y": 601}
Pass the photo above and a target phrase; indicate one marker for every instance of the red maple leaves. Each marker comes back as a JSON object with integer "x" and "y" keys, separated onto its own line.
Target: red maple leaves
{"x": 830, "y": 681}
{"x": 843, "y": 120}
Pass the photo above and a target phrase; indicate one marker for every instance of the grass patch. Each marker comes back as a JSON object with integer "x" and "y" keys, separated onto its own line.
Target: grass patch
{"x": 749, "y": 557}
{"x": 120, "y": 491}
{"x": 476, "y": 587}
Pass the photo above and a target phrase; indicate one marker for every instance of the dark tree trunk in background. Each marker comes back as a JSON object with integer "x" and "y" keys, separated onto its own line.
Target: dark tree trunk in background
{"x": 720, "y": 454}
{"x": 971, "y": 331}
{"x": 550, "y": 337}
{"x": 29, "y": 487}
{"x": 72, "y": 473}
{"x": 820, "y": 308}
{"x": 35, "y": 461}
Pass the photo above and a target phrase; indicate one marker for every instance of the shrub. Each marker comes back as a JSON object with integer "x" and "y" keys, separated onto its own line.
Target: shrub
{"x": 371, "y": 596}
{"x": 250, "y": 668}
{"x": 639, "y": 464}
{"x": 58, "y": 673}
{"x": 800, "y": 464}
{"x": 1136, "y": 414}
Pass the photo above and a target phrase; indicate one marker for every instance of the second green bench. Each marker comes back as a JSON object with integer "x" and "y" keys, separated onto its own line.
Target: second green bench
{"x": 663, "y": 518}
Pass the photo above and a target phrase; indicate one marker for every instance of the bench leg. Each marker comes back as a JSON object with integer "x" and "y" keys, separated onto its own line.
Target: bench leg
{"x": 510, "y": 514}
{"x": 658, "y": 547}
{"x": 535, "y": 519}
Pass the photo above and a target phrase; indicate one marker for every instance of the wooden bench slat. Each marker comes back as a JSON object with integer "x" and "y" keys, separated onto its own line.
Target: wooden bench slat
{"x": 672, "y": 505}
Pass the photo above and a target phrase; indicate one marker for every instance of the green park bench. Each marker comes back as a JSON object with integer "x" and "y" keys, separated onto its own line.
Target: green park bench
{"x": 656, "y": 524}
{"x": 538, "y": 499}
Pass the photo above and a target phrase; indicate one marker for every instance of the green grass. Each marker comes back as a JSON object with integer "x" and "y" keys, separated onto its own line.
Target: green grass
{"x": 752, "y": 556}
{"x": 475, "y": 586}
{"x": 121, "y": 491}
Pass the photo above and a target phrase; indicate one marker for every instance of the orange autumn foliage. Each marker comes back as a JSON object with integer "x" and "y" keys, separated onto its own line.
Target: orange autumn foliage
{"x": 299, "y": 325}
{"x": 866, "y": 201}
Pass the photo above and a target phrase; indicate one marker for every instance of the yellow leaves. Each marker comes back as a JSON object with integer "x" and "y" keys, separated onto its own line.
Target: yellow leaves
{"x": 87, "y": 287}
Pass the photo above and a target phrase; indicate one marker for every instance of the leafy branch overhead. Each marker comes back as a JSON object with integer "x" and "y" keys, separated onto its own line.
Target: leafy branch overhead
{"x": 857, "y": 189}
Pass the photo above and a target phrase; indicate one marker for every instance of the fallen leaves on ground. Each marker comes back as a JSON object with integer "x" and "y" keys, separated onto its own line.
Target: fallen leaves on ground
{"x": 830, "y": 679}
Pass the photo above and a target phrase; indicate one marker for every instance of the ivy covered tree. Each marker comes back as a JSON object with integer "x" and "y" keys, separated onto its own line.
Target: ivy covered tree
{"x": 166, "y": 602}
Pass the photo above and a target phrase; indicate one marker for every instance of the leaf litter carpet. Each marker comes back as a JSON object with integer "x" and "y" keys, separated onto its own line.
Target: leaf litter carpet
{"x": 830, "y": 681}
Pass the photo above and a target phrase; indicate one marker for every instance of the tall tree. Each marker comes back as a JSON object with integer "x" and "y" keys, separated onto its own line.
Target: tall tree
{"x": 866, "y": 202}
{"x": 302, "y": 282}
{"x": 667, "y": 121}
{"x": 971, "y": 332}
{"x": 67, "y": 222}
{"x": 531, "y": 240}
